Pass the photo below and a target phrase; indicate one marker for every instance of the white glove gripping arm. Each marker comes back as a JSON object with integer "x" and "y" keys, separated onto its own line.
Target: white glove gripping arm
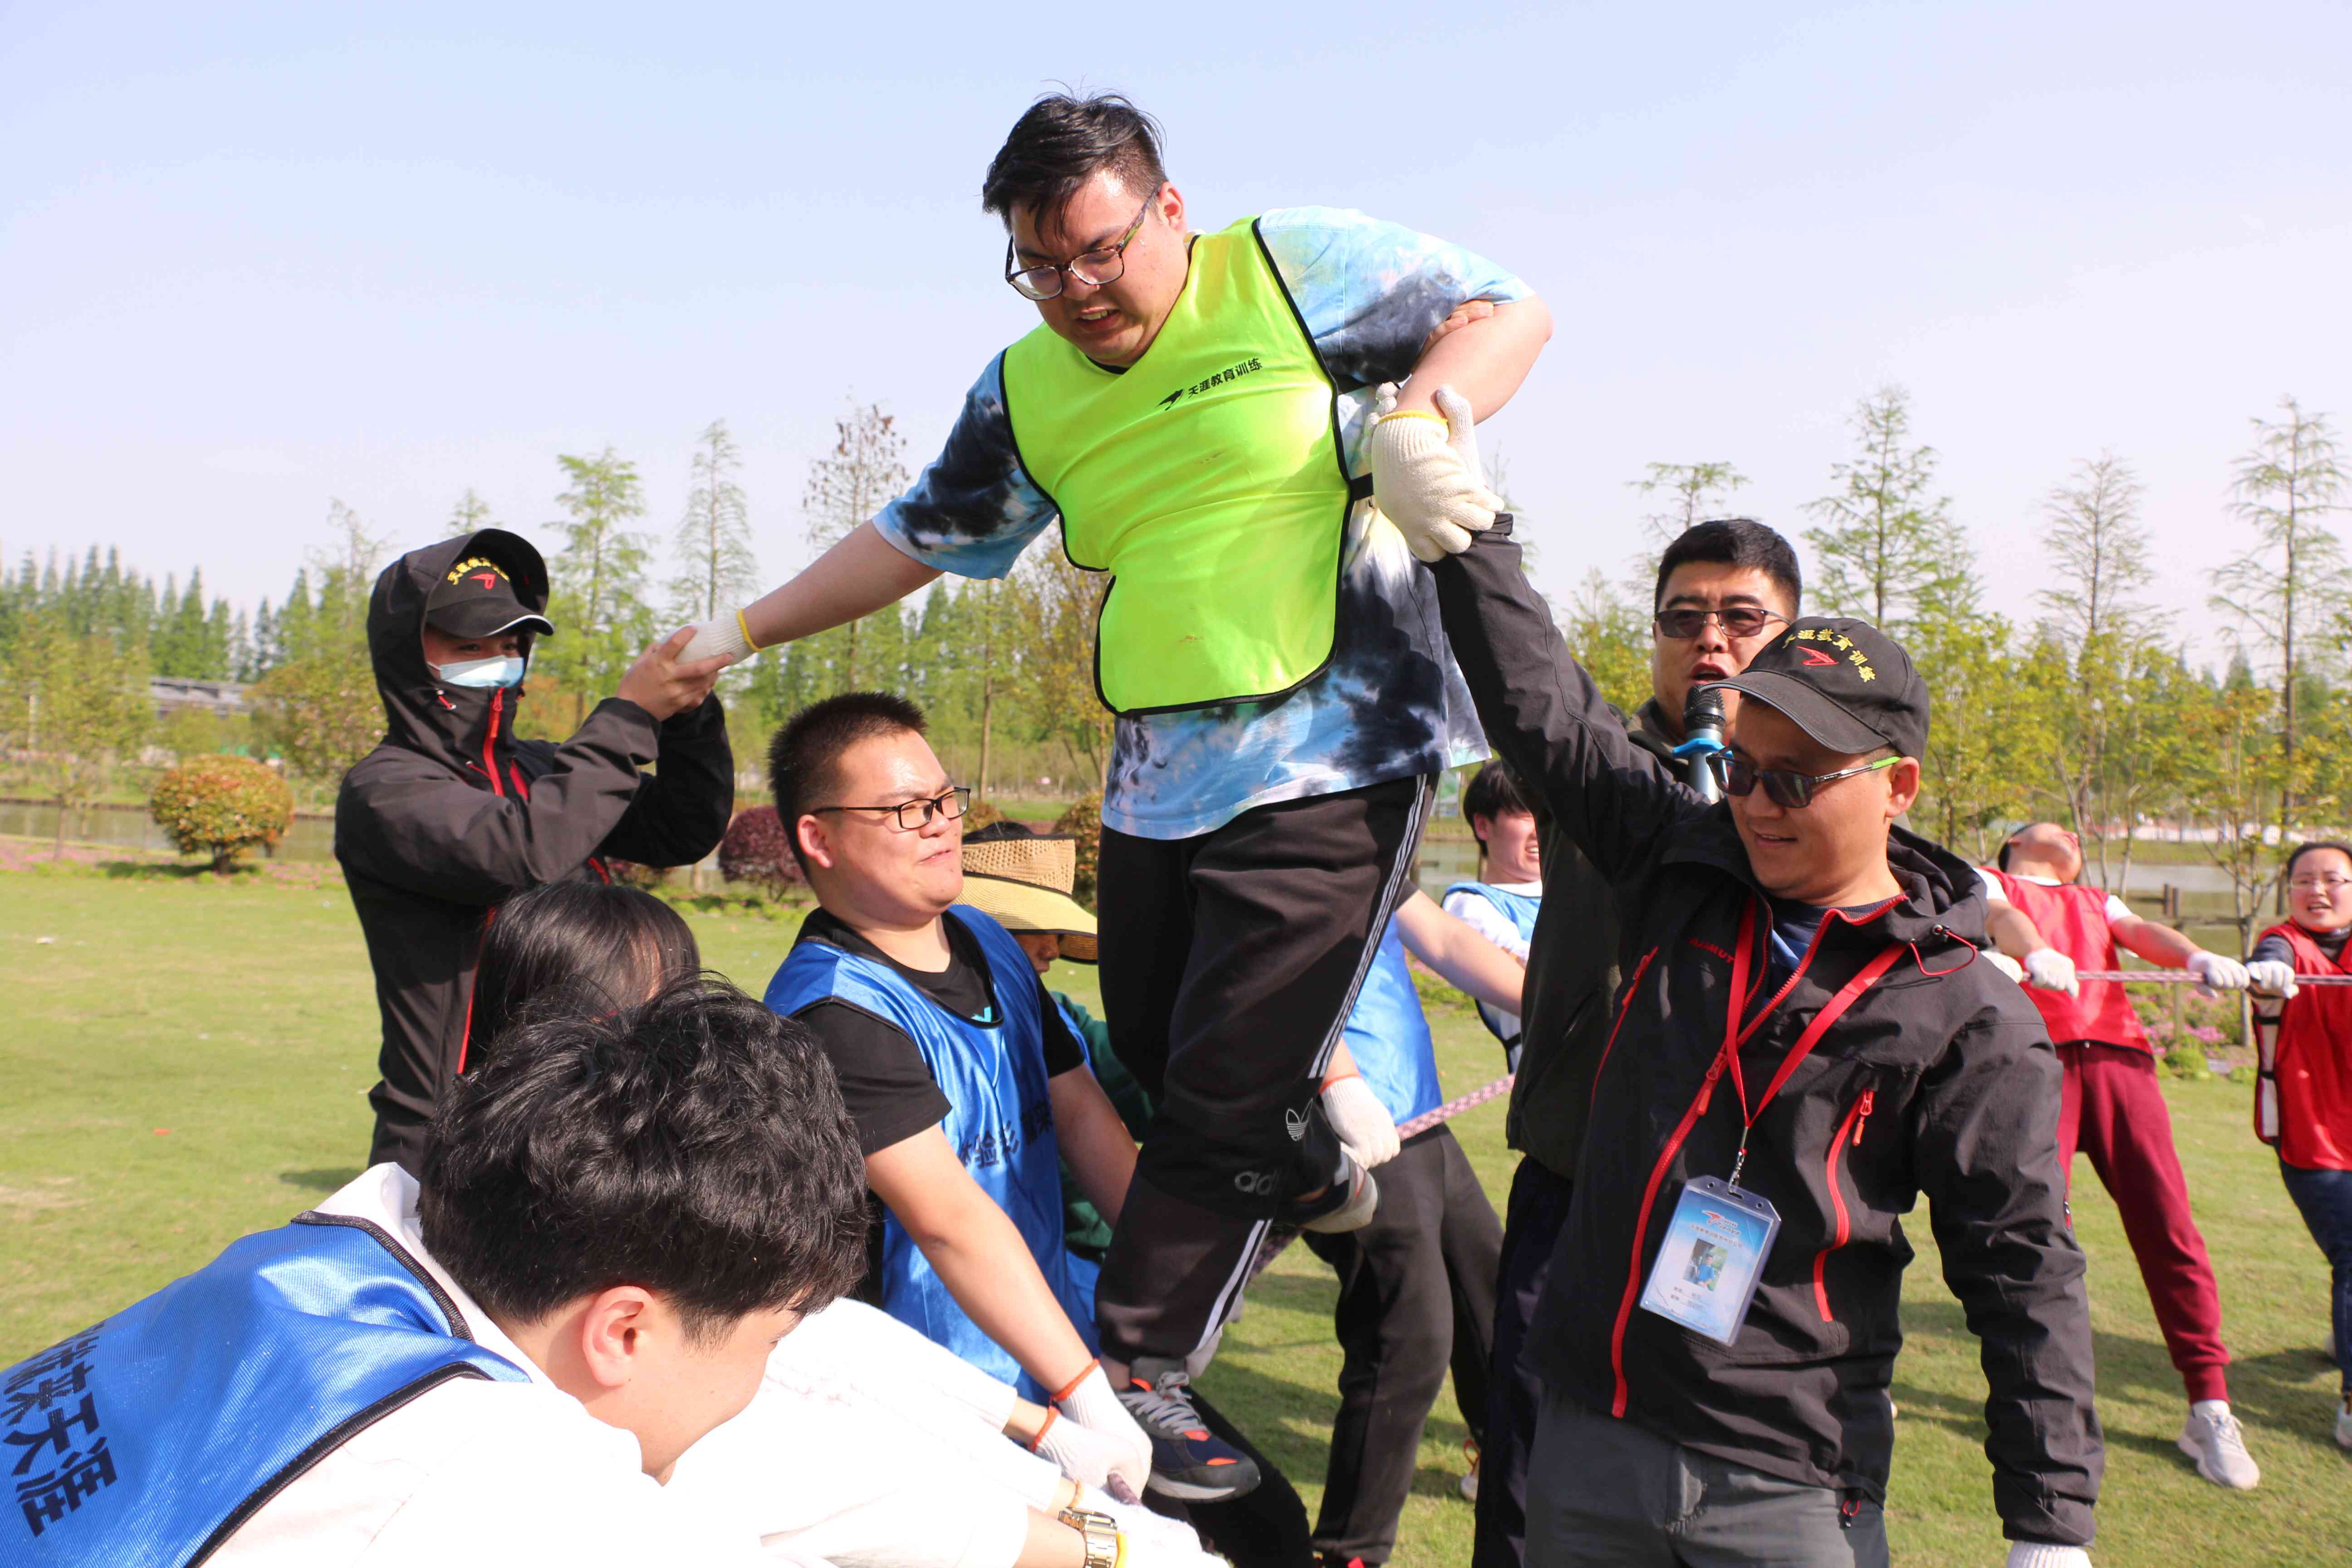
{"x": 1089, "y": 1403}
{"x": 2272, "y": 978}
{"x": 1363, "y": 1123}
{"x": 721, "y": 636}
{"x": 2053, "y": 971}
{"x": 2218, "y": 972}
{"x": 1425, "y": 484}
{"x": 2043, "y": 1554}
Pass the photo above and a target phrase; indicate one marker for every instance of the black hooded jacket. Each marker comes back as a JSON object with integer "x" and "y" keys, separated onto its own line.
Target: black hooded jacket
{"x": 450, "y": 816}
{"x": 1937, "y": 1077}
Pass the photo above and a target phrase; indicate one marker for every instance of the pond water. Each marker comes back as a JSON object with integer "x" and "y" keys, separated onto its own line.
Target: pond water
{"x": 312, "y": 838}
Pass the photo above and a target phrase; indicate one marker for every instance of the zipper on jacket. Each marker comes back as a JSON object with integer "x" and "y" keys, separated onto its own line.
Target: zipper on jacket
{"x": 1736, "y": 1037}
{"x": 490, "y": 741}
{"x": 1609, "y": 1045}
{"x": 1849, "y": 1132}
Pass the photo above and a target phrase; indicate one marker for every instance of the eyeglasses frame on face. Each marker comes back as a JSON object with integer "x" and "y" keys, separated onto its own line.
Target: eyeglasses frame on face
{"x": 1766, "y": 617}
{"x": 2329, "y": 880}
{"x": 1722, "y": 762}
{"x": 1117, "y": 252}
{"x": 934, "y": 806}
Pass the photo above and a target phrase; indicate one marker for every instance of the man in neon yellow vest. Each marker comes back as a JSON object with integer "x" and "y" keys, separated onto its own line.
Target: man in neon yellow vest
{"x": 1197, "y": 412}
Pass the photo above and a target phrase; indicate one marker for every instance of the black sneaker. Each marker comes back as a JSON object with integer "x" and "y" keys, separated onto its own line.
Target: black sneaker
{"x": 1187, "y": 1463}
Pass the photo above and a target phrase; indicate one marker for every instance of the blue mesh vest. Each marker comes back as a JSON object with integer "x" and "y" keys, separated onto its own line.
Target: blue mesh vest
{"x": 150, "y": 1439}
{"x": 1388, "y": 1034}
{"x": 1521, "y": 909}
{"x": 999, "y": 1122}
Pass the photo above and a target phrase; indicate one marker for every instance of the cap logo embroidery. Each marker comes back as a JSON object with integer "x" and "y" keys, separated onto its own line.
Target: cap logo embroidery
{"x": 479, "y": 564}
{"x": 1815, "y": 657}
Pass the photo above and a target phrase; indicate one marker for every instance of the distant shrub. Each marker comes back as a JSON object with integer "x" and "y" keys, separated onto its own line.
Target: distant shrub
{"x": 2187, "y": 1059}
{"x": 1083, "y": 822}
{"x": 222, "y": 807}
{"x": 981, "y": 814}
{"x": 755, "y": 850}
{"x": 631, "y": 874}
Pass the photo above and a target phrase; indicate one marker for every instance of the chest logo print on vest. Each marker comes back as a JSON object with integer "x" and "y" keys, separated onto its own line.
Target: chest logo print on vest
{"x": 1211, "y": 384}
{"x": 1295, "y": 1125}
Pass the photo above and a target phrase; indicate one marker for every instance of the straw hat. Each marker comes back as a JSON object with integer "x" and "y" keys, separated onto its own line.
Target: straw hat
{"x": 1024, "y": 880}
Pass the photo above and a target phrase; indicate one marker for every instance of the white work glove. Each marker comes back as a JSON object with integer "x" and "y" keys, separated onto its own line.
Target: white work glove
{"x": 2053, "y": 971}
{"x": 2005, "y": 963}
{"x": 2042, "y": 1555}
{"x": 2218, "y": 972}
{"x": 722, "y": 637}
{"x": 1363, "y": 1123}
{"x": 2272, "y": 978}
{"x": 1087, "y": 1456}
{"x": 1091, "y": 1404}
{"x": 1425, "y": 478}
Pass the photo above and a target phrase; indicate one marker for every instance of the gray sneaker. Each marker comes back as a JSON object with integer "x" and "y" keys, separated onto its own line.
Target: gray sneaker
{"x": 1188, "y": 1462}
{"x": 2214, "y": 1439}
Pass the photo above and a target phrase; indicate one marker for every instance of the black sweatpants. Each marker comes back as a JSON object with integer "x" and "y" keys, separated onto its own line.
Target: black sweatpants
{"x": 1416, "y": 1292}
{"x": 1230, "y": 963}
{"x": 1538, "y": 1208}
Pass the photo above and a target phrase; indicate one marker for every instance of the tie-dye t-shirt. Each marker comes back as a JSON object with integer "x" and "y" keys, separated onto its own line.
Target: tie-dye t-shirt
{"x": 1390, "y": 704}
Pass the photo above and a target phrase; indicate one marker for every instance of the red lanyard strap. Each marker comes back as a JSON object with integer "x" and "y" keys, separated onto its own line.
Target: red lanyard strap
{"x": 1734, "y": 1037}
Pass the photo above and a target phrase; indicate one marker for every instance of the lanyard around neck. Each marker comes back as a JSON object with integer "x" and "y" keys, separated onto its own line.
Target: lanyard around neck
{"x": 1735, "y": 1036}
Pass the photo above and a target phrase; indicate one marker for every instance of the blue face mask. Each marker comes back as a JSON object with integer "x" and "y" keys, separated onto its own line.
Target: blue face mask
{"x": 484, "y": 673}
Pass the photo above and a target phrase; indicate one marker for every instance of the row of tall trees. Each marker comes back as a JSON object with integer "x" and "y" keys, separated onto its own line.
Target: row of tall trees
{"x": 2091, "y": 709}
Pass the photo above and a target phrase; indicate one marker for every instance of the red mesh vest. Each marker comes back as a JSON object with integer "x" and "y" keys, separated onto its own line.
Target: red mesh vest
{"x": 2314, "y": 1063}
{"x": 2074, "y": 920}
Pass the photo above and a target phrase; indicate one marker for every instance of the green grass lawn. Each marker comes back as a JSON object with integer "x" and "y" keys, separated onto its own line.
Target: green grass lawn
{"x": 188, "y": 1063}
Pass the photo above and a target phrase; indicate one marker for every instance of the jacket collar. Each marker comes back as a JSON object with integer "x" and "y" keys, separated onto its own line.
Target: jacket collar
{"x": 1941, "y": 900}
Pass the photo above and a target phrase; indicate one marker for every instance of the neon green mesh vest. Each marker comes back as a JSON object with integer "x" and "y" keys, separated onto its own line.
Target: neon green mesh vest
{"x": 1207, "y": 479}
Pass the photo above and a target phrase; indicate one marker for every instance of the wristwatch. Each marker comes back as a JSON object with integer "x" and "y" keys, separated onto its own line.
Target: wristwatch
{"x": 1101, "y": 1533}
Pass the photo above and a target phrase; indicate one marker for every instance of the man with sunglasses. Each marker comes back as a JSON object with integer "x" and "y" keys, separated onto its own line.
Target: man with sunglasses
{"x": 1197, "y": 412}
{"x": 2113, "y": 1110}
{"x": 1802, "y": 1046}
{"x": 1725, "y": 587}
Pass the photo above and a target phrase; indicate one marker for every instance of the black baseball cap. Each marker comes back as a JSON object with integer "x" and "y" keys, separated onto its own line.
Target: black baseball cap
{"x": 1843, "y": 682}
{"x": 476, "y": 598}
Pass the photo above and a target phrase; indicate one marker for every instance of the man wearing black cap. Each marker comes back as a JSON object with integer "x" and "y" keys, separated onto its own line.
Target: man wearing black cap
{"x": 451, "y": 815}
{"x": 1803, "y": 1045}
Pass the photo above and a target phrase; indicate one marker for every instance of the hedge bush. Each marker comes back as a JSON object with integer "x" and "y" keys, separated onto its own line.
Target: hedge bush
{"x": 755, "y": 850}
{"x": 222, "y": 807}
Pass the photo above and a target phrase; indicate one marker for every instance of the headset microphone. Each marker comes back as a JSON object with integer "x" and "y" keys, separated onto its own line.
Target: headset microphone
{"x": 1703, "y": 737}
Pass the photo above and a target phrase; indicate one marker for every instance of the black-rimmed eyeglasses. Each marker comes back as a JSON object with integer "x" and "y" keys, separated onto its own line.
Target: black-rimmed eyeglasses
{"x": 1105, "y": 263}
{"x": 952, "y": 805}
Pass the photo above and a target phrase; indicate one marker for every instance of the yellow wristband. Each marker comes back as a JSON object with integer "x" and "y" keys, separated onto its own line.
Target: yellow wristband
{"x": 1412, "y": 414}
{"x": 745, "y": 627}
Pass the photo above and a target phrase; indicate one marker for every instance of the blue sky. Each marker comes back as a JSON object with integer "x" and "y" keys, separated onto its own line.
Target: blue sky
{"x": 253, "y": 258}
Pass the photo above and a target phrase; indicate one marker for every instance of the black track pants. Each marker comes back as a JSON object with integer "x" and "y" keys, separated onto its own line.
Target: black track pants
{"x": 1538, "y": 1208}
{"x": 1230, "y": 961}
{"x": 1416, "y": 1292}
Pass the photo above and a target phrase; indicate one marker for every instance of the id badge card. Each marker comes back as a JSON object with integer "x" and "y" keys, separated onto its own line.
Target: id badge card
{"x": 1713, "y": 1256}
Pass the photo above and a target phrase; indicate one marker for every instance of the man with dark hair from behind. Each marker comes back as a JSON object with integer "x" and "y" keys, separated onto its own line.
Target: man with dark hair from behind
{"x": 1725, "y": 588}
{"x": 1270, "y": 649}
{"x": 502, "y": 1368}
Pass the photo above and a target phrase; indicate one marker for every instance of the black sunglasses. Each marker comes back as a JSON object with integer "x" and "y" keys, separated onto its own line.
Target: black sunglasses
{"x": 1739, "y": 621}
{"x": 1795, "y": 791}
